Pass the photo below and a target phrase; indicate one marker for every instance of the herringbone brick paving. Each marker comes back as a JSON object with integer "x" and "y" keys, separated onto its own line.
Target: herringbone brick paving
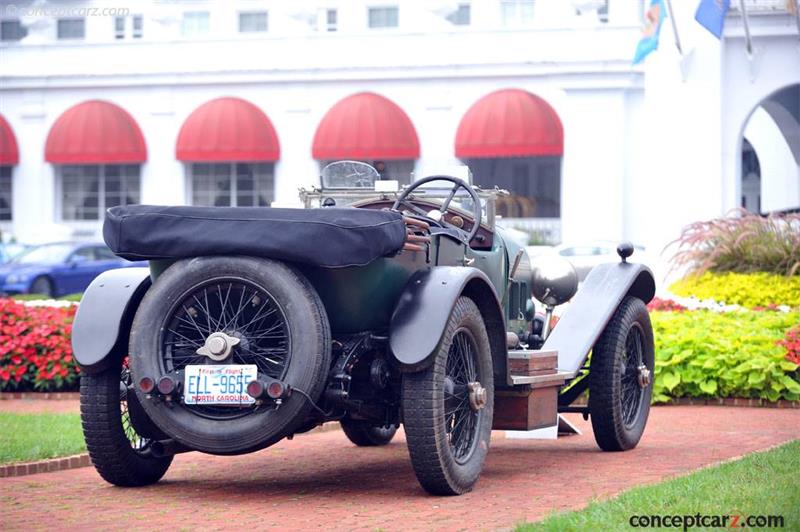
{"x": 321, "y": 481}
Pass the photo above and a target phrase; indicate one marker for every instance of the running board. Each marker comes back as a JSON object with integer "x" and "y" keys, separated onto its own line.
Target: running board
{"x": 541, "y": 381}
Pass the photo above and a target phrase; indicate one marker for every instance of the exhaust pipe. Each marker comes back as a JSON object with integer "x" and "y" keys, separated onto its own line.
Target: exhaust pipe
{"x": 164, "y": 448}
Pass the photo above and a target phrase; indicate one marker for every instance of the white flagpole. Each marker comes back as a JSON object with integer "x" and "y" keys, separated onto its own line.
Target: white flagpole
{"x": 674, "y": 26}
{"x": 746, "y": 23}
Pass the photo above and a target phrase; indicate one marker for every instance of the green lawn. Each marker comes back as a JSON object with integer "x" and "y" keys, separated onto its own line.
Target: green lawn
{"x": 26, "y": 437}
{"x": 759, "y": 484}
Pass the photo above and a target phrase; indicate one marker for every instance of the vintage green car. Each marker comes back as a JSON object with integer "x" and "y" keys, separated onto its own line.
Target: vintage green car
{"x": 373, "y": 307}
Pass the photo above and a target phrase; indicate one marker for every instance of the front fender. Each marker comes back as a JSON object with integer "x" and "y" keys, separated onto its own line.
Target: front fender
{"x": 420, "y": 317}
{"x": 592, "y": 307}
{"x": 103, "y": 321}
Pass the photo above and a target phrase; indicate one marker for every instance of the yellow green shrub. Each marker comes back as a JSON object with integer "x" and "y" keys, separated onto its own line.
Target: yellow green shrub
{"x": 733, "y": 354}
{"x": 745, "y": 289}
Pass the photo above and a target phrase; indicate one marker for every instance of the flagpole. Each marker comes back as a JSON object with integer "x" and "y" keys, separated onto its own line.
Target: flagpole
{"x": 746, "y": 23}
{"x": 674, "y": 26}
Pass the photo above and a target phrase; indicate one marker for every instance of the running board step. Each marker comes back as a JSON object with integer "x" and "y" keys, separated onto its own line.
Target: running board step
{"x": 541, "y": 381}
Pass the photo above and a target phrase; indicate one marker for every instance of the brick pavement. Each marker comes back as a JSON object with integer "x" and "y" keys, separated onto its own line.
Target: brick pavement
{"x": 320, "y": 481}
{"x": 39, "y": 406}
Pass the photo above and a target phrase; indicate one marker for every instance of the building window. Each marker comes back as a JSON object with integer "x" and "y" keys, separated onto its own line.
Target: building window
{"x": 517, "y": 12}
{"x": 232, "y": 184}
{"x": 461, "y": 16}
{"x": 71, "y": 28}
{"x": 12, "y": 30}
{"x": 534, "y": 184}
{"x": 5, "y": 193}
{"x": 602, "y": 12}
{"x": 119, "y": 27}
{"x": 88, "y": 190}
{"x": 331, "y": 20}
{"x": 136, "y": 27}
{"x": 195, "y": 23}
{"x": 253, "y": 22}
{"x": 383, "y": 17}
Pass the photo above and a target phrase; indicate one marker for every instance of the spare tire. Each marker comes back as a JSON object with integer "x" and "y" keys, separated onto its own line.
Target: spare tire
{"x": 282, "y": 328}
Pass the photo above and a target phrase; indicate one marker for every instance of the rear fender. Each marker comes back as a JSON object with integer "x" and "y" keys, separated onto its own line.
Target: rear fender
{"x": 420, "y": 317}
{"x": 103, "y": 321}
{"x": 592, "y": 307}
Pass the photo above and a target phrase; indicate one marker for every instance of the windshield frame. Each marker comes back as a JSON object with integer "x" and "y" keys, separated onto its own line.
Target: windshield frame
{"x": 350, "y": 170}
{"x": 312, "y": 199}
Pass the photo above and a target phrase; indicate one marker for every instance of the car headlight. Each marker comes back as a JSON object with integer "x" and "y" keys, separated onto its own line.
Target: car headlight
{"x": 15, "y": 278}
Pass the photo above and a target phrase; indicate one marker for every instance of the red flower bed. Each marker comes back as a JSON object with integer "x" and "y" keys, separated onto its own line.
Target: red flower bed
{"x": 35, "y": 348}
{"x": 665, "y": 305}
{"x": 792, "y": 344}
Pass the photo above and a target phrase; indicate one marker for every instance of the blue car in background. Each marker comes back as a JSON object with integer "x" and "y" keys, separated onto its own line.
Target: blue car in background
{"x": 11, "y": 250}
{"x": 58, "y": 269}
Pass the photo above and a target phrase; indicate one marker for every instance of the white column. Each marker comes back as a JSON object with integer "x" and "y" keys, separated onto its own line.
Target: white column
{"x": 593, "y": 167}
{"x": 163, "y": 176}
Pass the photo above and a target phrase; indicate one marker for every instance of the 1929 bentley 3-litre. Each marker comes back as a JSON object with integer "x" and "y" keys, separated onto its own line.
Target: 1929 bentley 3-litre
{"x": 374, "y": 308}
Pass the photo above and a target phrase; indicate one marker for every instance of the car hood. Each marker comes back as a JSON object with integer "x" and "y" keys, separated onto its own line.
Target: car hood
{"x": 25, "y": 269}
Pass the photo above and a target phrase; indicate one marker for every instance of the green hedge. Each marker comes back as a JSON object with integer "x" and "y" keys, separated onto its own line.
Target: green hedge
{"x": 733, "y": 354}
{"x": 745, "y": 289}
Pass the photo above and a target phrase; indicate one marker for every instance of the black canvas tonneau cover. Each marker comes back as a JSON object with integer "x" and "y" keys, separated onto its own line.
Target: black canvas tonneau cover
{"x": 329, "y": 237}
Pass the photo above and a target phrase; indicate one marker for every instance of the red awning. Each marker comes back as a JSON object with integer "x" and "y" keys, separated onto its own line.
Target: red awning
{"x": 365, "y": 126}
{"x": 227, "y": 129}
{"x": 509, "y": 123}
{"x": 95, "y": 132}
{"x": 9, "y": 153}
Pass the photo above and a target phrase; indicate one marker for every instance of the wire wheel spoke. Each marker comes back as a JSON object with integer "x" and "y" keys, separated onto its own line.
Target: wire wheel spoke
{"x": 238, "y": 308}
{"x": 631, "y": 390}
{"x": 138, "y": 443}
{"x": 461, "y": 421}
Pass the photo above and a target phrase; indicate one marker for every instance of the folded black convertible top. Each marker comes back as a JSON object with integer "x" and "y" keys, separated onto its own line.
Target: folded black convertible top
{"x": 329, "y": 237}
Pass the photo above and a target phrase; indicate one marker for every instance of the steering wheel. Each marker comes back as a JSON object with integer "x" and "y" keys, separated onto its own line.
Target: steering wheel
{"x": 438, "y": 216}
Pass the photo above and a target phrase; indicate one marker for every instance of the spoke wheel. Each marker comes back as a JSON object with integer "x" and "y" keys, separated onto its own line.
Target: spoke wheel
{"x": 113, "y": 438}
{"x": 239, "y": 308}
{"x": 138, "y": 442}
{"x": 264, "y": 313}
{"x": 448, "y": 407}
{"x": 620, "y": 386}
{"x": 632, "y": 391}
{"x": 461, "y": 421}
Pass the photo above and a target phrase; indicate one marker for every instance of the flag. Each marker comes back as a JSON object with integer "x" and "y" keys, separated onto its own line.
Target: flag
{"x": 649, "y": 41}
{"x": 711, "y": 15}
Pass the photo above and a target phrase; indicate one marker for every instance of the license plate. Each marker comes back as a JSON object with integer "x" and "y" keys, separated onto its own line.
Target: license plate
{"x": 218, "y": 385}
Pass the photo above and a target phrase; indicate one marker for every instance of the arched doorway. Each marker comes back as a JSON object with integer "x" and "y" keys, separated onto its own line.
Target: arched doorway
{"x": 770, "y": 149}
{"x": 751, "y": 178}
{"x": 514, "y": 140}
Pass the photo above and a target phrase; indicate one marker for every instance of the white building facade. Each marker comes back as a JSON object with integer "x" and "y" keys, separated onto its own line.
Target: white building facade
{"x": 240, "y": 102}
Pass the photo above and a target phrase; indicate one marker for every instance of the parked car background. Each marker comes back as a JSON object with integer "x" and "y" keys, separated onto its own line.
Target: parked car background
{"x": 585, "y": 256}
{"x": 58, "y": 269}
{"x": 10, "y": 250}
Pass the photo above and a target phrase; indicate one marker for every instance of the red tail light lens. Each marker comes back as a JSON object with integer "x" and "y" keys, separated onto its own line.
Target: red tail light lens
{"x": 255, "y": 389}
{"x": 276, "y": 390}
{"x": 166, "y": 385}
{"x": 147, "y": 384}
